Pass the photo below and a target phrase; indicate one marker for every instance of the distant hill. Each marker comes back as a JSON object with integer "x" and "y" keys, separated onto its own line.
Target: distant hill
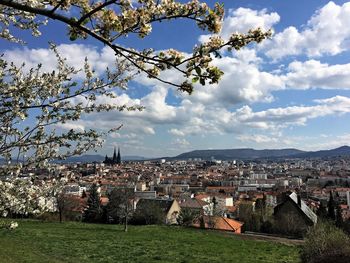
{"x": 224, "y": 154}
{"x": 240, "y": 154}
{"x": 251, "y": 154}
{"x": 341, "y": 151}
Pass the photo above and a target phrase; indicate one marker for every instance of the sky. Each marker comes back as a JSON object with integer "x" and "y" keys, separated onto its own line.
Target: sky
{"x": 291, "y": 91}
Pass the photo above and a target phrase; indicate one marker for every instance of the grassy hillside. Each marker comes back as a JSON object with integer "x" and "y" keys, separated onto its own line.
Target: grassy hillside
{"x": 38, "y": 242}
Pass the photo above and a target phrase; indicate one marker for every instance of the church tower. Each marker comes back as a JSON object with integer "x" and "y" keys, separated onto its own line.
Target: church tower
{"x": 119, "y": 159}
{"x": 115, "y": 158}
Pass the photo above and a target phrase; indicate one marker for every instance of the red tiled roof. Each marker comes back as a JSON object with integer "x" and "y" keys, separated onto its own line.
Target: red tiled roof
{"x": 104, "y": 200}
{"x": 193, "y": 203}
{"x": 221, "y": 223}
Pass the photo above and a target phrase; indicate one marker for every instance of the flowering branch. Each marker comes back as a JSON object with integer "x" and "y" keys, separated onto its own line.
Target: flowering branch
{"x": 111, "y": 20}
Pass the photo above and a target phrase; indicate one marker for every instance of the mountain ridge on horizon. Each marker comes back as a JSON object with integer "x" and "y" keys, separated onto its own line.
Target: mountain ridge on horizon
{"x": 250, "y": 153}
{"x": 228, "y": 154}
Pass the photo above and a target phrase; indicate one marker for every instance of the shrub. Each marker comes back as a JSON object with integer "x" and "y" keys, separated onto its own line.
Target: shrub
{"x": 188, "y": 217}
{"x": 325, "y": 243}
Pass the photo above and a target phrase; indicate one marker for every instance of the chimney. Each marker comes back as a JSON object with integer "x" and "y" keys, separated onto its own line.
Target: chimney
{"x": 299, "y": 200}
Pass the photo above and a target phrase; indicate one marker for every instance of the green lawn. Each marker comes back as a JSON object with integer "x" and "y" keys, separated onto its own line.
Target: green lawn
{"x": 36, "y": 241}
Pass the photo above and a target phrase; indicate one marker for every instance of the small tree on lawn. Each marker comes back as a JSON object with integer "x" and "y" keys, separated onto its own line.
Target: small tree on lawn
{"x": 64, "y": 204}
{"x": 93, "y": 212}
{"x": 121, "y": 204}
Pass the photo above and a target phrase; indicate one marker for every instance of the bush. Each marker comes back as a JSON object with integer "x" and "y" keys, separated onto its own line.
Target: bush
{"x": 325, "y": 243}
{"x": 266, "y": 227}
{"x": 188, "y": 217}
{"x": 148, "y": 214}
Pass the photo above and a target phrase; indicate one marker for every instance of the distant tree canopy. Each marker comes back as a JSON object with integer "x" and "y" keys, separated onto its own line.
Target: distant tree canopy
{"x": 48, "y": 96}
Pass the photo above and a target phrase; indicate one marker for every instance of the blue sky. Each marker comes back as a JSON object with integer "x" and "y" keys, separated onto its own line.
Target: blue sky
{"x": 290, "y": 91}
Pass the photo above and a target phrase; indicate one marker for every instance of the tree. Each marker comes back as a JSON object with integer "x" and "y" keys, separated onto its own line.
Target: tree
{"x": 83, "y": 195}
{"x": 121, "y": 205}
{"x": 331, "y": 207}
{"x": 339, "y": 217}
{"x": 218, "y": 211}
{"x": 93, "y": 212}
{"x": 321, "y": 211}
{"x": 49, "y": 96}
{"x": 64, "y": 204}
{"x": 260, "y": 208}
{"x": 148, "y": 212}
{"x": 246, "y": 214}
{"x": 325, "y": 243}
{"x": 187, "y": 217}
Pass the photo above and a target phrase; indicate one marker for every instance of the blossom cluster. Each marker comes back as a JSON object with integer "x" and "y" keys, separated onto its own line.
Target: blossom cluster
{"x": 13, "y": 225}
{"x": 8, "y": 225}
{"x": 19, "y": 197}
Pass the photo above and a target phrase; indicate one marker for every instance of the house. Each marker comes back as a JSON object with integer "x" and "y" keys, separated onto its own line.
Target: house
{"x": 195, "y": 204}
{"x": 219, "y": 223}
{"x": 293, "y": 216}
{"x": 169, "y": 209}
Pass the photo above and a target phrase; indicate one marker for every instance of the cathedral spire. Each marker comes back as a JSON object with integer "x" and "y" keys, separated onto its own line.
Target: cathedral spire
{"x": 119, "y": 157}
{"x": 114, "y": 155}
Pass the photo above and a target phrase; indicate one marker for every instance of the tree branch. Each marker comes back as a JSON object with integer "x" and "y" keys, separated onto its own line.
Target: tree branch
{"x": 95, "y": 10}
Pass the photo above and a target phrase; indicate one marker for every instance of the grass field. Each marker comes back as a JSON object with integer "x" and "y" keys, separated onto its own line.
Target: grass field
{"x": 36, "y": 241}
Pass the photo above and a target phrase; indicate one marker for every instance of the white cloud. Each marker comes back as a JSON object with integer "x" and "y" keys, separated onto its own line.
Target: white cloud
{"x": 74, "y": 53}
{"x": 296, "y": 115}
{"x": 176, "y": 132}
{"x": 314, "y": 74}
{"x": 327, "y": 32}
{"x": 181, "y": 143}
{"x": 267, "y": 141}
{"x": 242, "y": 82}
{"x": 242, "y": 19}
{"x": 257, "y": 138}
{"x": 71, "y": 126}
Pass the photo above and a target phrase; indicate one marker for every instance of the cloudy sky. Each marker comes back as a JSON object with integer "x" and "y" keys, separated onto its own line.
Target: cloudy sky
{"x": 290, "y": 91}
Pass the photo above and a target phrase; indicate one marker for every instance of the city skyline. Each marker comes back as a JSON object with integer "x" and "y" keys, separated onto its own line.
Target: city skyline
{"x": 288, "y": 92}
